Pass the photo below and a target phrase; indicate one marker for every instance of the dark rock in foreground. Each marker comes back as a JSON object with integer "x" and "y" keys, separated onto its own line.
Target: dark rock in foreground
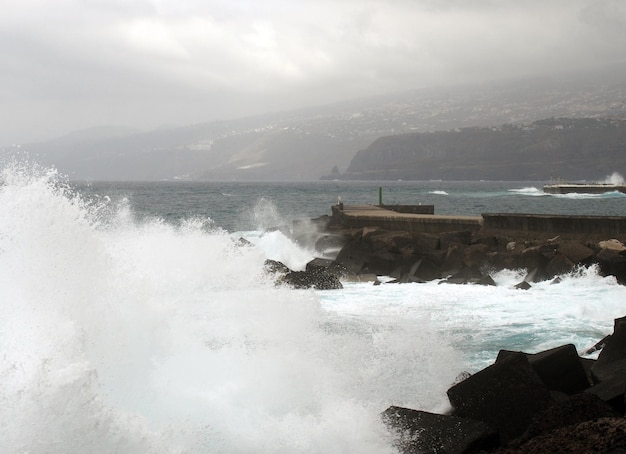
{"x": 506, "y": 395}
{"x": 524, "y": 398}
{"x": 604, "y": 435}
{"x": 423, "y": 432}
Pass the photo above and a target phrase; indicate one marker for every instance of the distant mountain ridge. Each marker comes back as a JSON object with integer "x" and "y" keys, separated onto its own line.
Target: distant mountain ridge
{"x": 306, "y": 144}
{"x": 567, "y": 148}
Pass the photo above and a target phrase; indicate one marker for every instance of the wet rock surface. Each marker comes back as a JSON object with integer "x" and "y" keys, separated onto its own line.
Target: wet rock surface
{"x": 535, "y": 403}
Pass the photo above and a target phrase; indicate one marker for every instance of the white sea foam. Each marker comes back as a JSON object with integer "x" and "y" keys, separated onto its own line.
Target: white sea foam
{"x": 438, "y": 192}
{"x": 121, "y": 335}
{"x": 529, "y": 191}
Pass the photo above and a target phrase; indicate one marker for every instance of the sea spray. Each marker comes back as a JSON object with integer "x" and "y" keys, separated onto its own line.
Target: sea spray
{"x": 126, "y": 336}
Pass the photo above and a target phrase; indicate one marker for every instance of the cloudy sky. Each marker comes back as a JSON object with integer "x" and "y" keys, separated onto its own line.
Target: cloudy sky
{"x": 73, "y": 64}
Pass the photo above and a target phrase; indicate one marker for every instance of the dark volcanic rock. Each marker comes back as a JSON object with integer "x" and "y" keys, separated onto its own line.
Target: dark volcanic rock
{"x": 609, "y": 371}
{"x": 425, "y": 243}
{"x": 374, "y": 250}
{"x": 614, "y": 351}
{"x": 320, "y": 280}
{"x": 274, "y": 266}
{"x": 463, "y": 237}
{"x": 604, "y": 435}
{"x": 611, "y": 390}
{"x": 318, "y": 275}
{"x": 505, "y": 395}
{"x": 560, "y": 264}
{"x": 423, "y": 432}
{"x": 574, "y": 410}
{"x": 559, "y": 368}
{"x": 576, "y": 252}
{"x": 612, "y": 263}
{"x": 425, "y": 270}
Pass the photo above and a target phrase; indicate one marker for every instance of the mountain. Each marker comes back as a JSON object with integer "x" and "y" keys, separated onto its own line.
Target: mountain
{"x": 567, "y": 148}
{"x": 308, "y": 143}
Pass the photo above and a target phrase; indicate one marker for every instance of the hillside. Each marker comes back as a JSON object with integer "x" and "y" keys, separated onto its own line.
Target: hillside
{"x": 306, "y": 144}
{"x": 568, "y": 148}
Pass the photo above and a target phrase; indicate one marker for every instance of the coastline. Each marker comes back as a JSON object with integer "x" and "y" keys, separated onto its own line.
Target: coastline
{"x": 422, "y": 247}
{"x": 523, "y": 402}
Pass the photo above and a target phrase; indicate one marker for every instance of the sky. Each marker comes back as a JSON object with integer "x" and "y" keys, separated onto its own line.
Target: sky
{"x": 67, "y": 65}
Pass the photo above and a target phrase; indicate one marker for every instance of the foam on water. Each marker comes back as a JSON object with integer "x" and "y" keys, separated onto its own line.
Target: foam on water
{"x": 478, "y": 321}
{"x": 528, "y": 191}
{"x": 121, "y": 335}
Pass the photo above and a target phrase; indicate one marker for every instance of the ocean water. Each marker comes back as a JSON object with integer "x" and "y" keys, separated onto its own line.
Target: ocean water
{"x": 133, "y": 320}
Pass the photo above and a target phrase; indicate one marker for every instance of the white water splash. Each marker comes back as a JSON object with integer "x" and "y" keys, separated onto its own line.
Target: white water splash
{"x": 529, "y": 191}
{"x": 126, "y": 336}
{"x": 614, "y": 178}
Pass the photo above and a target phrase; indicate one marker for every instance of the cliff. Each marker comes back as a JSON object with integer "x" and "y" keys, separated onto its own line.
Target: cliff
{"x": 567, "y": 148}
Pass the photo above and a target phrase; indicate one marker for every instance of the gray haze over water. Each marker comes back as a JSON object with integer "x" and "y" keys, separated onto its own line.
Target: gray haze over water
{"x": 70, "y": 64}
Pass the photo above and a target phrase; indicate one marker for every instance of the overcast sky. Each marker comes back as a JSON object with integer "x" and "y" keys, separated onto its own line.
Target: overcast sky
{"x": 73, "y": 64}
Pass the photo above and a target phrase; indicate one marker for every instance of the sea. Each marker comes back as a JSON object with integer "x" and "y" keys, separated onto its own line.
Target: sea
{"x": 134, "y": 319}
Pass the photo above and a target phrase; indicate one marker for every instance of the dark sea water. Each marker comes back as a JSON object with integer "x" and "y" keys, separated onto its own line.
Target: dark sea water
{"x": 132, "y": 320}
{"x": 247, "y": 206}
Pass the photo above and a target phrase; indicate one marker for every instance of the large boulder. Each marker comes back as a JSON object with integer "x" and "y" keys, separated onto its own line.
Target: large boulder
{"x": 424, "y": 244}
{"x": 319, "y": 280}
{"x": 612, "y": 354}
{"x": 424, "y": 269}
{"x": 576, "y": 252}
{"x": 611, "y": 390}
{"x": 505, "y": 395}
{"x": 612, "y": 263}
{"x": 476, "y": 255}
{"x": 558, "y": 265}
{"x": 318, "y": 275}
{"x": 560, "y": 368}
{"x": 422, "y": 432}
{"x": 454, "y": 259}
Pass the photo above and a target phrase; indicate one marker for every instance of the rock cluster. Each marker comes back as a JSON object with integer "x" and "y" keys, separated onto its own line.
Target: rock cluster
{"x": 467, "y": 257}
{"x": 319, "y": 274}
{"x": 548, "y": 402}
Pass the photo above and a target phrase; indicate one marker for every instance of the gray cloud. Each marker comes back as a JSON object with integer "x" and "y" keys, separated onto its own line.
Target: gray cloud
{"x": 70, "y": 64}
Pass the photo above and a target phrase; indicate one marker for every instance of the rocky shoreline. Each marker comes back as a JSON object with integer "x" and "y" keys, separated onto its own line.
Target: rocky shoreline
{"x": 459, "y": 257}
{"x": 547, "y": 402}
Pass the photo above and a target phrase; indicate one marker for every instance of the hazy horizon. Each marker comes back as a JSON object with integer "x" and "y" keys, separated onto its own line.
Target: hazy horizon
{"x": 70, "y": 65}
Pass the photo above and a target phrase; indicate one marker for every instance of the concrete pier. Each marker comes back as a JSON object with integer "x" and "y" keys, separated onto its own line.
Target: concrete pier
{"x": 568, "y": 226}
{"x": 519, "y": 225}
{"x": 358, "y": 216}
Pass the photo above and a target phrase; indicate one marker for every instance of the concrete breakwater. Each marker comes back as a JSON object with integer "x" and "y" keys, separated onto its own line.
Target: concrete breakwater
{"x": 417, "y": 247}
{"x": 421, "y": 218}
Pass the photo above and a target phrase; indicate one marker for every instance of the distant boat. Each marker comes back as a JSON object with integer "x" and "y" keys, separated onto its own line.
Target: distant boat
{"x": 583, "y": 188}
